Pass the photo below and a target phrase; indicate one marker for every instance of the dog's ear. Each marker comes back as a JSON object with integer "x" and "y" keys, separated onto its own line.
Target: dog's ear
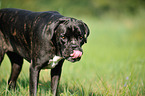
{"x": 86, "y": 31}
{"x": 53, "y": 26}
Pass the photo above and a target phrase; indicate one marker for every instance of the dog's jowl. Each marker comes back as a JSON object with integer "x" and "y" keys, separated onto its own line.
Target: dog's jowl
{"x": 45, "y": 39}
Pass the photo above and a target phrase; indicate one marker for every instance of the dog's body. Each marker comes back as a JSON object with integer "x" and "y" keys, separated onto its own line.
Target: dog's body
{"x": 45, "y": 39}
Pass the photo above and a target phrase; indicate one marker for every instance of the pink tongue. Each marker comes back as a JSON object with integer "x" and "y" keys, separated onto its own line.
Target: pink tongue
{"x": 76, "y": 54}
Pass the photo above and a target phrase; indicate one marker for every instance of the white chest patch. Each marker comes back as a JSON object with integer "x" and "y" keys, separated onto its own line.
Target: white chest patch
{"x": 53, "y": 62}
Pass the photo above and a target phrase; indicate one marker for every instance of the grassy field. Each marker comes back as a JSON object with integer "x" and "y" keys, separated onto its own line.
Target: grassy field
{"x": 113, "y": 63}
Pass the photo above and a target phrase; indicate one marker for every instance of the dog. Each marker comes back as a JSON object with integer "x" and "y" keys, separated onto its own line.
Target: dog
{"x": 45, "y": 39}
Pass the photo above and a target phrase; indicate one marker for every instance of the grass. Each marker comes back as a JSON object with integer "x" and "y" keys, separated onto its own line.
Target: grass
{"x": 113, "y": 63}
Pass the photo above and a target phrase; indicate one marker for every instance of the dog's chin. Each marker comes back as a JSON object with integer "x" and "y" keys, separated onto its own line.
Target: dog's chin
{"x": 73, "y": 59}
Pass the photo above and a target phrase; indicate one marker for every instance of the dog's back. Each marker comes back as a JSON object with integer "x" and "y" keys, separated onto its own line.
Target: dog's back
{"x": 17, "y": 27}
{"x": 11, "y": 18}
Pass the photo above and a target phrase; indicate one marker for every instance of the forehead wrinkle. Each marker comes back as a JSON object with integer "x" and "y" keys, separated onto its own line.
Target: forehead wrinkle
{"x": 62, "y": 29}
{"x": 73, "y": 29}
{"x": 72, "y": 26}
{"x": 78, "y": 28}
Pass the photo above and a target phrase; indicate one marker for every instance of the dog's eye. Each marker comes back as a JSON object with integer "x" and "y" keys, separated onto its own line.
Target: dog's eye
{"x": 81, "y": 37}
{"x": 63, "y": 37}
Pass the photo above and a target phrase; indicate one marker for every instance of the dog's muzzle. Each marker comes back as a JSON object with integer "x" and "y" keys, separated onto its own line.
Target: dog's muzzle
{"x": 75, "y": 56}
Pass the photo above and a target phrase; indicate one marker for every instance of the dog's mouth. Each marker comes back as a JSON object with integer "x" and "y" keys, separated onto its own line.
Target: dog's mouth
{"x": 75, "y": 56}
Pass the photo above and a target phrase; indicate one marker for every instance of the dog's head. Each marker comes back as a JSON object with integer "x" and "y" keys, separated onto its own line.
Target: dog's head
{"x": 70, "y": 35}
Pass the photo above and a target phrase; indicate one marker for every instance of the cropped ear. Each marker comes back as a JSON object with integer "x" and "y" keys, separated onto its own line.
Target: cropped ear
{"x": 87, "y": 32}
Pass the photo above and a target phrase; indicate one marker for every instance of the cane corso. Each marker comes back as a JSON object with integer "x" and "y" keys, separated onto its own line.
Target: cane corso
{"x": 45, "y": 39}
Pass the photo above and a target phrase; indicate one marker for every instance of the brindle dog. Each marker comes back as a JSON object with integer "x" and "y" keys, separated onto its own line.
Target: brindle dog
{"x": 45, "y": 39}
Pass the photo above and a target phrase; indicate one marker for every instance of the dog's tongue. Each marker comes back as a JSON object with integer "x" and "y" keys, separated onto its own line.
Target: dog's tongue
{"x": 76, "y": 54}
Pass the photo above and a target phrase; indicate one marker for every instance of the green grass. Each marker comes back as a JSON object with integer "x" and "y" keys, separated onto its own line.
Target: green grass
{"x": 113, "y": 63}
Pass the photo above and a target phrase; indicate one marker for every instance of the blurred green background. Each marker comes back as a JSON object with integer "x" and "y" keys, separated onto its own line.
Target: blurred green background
{"x": 113, "y": 63}
{"x": 79, "y": 7}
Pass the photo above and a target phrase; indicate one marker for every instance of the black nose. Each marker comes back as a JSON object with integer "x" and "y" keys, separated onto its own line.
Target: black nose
{"x": 74, "y": 46}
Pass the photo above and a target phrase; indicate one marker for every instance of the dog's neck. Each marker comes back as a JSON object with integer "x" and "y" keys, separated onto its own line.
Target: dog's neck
{"x": 53, "y": 62}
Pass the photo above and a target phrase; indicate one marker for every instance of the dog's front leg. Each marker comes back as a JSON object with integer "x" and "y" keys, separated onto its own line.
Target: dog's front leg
{"x": 55, "y": 77}
{"x": 34, "y": 78}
